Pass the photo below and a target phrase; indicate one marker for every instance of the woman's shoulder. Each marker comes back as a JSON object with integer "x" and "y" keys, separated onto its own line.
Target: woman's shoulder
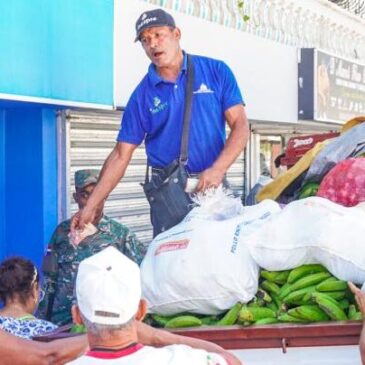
{"x": 26, "y": 328}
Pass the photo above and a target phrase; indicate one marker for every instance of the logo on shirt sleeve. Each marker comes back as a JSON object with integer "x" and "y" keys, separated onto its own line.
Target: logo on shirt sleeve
{"x": 158, "y": 106}
{"x": 203, "y": 89}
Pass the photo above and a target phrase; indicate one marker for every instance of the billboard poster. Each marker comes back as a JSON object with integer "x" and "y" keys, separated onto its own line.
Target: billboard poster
{"x": 331, "y": 89}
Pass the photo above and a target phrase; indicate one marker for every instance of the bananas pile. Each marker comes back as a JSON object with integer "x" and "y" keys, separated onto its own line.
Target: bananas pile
{"x": 308, "y": 293}
{"x": 305, "y": 294}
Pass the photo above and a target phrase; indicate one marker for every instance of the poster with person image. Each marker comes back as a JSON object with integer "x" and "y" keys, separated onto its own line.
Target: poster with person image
{"x": 331, "y": 89}
{"x": 340, "y": 92}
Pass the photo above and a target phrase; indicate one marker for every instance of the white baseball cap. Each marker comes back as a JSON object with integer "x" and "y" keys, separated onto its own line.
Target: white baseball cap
{"x": 108, "y": 287}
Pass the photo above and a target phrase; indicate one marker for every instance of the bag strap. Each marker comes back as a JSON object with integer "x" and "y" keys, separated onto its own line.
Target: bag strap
{"x": 183, "y": 159}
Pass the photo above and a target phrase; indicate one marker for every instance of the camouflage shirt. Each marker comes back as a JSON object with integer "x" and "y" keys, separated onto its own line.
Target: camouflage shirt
{"x": 62, "y": 260}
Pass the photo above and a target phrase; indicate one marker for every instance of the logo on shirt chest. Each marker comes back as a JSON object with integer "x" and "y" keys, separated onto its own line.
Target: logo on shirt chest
{"x": 158, "y": 105}
{"x": 203, "y": 89}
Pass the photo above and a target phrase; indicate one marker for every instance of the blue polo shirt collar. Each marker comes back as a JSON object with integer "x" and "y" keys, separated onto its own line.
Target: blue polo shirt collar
{"x": 155, "y": 78}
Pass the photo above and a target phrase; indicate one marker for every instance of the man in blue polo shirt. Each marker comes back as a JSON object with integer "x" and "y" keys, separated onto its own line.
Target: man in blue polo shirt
{"x": 154, "y": 113}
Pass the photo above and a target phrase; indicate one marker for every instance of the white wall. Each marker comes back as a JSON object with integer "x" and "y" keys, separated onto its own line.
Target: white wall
{"x": 266, "y": 71}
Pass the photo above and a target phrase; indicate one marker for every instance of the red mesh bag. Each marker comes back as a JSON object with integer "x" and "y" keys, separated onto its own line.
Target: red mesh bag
{"x": 345, "y": 183}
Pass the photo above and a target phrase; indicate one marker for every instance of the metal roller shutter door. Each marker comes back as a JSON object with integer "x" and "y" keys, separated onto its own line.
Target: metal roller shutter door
{"x": 90, "y": 136}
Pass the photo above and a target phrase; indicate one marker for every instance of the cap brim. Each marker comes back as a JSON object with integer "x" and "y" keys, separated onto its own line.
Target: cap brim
{"x": 86, "y": 184}
{"x": 153, "y": 26}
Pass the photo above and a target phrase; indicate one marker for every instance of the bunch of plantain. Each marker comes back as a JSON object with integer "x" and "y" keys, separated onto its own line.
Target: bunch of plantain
{"x": 184, "y": 320}
{"x": 306, "y": 294}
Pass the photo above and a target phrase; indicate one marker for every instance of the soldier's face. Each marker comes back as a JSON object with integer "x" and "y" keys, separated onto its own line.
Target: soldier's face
{"x": 82, "y": 196}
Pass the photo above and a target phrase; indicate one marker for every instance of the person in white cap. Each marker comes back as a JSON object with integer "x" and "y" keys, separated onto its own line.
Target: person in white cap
{"x": 109, "y": 304}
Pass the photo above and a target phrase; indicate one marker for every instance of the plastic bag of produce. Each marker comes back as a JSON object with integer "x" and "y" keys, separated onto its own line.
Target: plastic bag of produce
{"x": 309, "y": 231}
{"x": 201, "y": 265}
{"x": 345, "y": 183}
{"x": 349, "y": 144}
{"x": 283, "y": 182}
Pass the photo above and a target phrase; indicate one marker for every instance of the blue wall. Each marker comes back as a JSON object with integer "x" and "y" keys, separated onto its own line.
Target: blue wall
{"x": 59, "y": 49}
{"x": 30, "y": 180}
{"x": 2, "y": 183}
{"x": 49, "y": 172}
{"x": 54, "y": 49}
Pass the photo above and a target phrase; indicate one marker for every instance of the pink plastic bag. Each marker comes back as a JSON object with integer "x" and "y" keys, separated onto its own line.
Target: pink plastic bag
{"x": 345, "y": 183}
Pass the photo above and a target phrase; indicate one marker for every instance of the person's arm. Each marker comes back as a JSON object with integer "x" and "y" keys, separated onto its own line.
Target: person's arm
{"x": 17, "y": 351}
{"x": 236, "y": 142}
{"x": 148, "y": 335}
{"x": 113, "y": 170}
{"x": 62, "y": 351}
{"x": 360, "y": 300}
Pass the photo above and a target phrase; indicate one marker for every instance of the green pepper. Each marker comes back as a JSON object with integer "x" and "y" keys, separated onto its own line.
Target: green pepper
{"x": 309, "y": 189}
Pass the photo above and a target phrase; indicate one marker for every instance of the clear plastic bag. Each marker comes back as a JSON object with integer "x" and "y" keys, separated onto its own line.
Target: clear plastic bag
{"x": 218, "y": 204}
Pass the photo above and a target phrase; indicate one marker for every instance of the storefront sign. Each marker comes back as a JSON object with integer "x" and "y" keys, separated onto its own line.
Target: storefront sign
{"x": 331, "y": 89}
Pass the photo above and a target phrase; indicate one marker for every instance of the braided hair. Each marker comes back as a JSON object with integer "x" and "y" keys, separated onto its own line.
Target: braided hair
{"x": 17, "y": 278}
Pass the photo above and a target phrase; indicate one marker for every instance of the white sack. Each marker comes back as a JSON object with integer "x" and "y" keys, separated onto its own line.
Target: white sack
{"x": 201, "y": 265}
{"x": 312, "y": 230}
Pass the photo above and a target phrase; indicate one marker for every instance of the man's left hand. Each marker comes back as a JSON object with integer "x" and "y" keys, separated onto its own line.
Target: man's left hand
{"x": 209, "y": 178}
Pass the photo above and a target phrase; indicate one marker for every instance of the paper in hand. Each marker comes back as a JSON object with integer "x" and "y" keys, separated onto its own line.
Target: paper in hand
{"x": 80, "y": 234}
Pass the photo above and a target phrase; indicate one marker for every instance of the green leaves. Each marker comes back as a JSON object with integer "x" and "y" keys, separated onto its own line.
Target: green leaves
{"x": 241, "y": 8}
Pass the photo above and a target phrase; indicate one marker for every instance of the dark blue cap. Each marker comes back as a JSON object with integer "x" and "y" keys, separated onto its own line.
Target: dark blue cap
{"x": 153, "y": 18}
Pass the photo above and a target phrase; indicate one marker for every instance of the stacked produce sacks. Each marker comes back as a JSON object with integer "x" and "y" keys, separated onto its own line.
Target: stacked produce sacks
{"x": 203, "y": 265}
{"x": 312, "y": 230}
{"x": 209, "y": 264}
{"x": 305, "y": 294}
{"x": 270, "y": 263}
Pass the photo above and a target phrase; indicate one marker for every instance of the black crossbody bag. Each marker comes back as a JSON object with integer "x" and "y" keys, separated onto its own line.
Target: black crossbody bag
{"x": 165, "y": 190}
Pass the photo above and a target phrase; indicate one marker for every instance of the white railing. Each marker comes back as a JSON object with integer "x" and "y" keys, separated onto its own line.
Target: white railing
{"x": 299, "y": 23}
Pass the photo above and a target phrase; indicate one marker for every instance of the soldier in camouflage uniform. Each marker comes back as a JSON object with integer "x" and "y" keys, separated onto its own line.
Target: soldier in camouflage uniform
{"x": 62, "y": 260}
